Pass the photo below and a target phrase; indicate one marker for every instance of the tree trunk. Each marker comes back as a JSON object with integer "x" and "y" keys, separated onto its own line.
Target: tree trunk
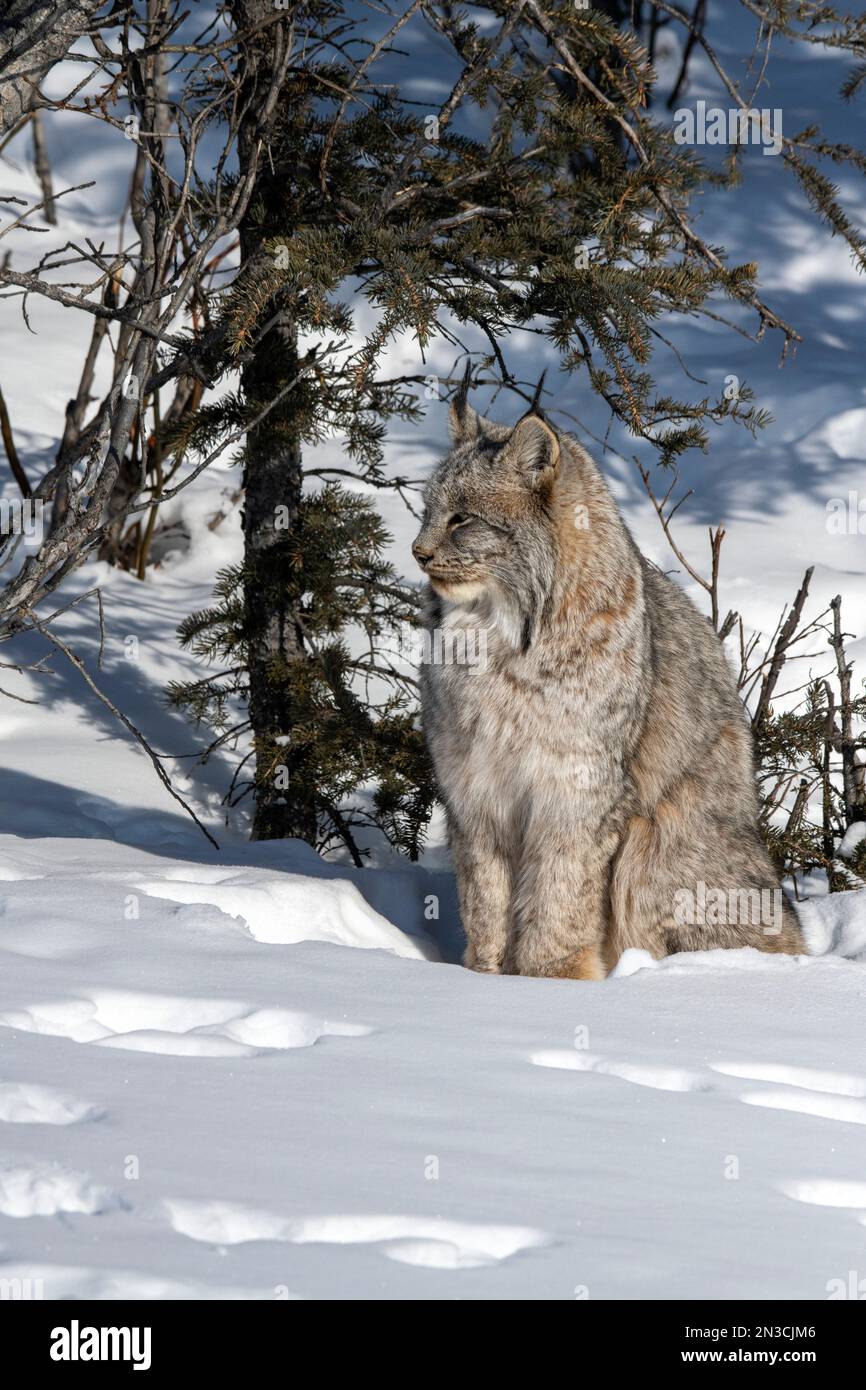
{"x": 272, "y": 483}
{"x": 34, "y": 35}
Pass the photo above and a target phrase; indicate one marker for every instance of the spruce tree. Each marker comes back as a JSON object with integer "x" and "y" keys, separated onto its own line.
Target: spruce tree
{"x": 543, "y": 195}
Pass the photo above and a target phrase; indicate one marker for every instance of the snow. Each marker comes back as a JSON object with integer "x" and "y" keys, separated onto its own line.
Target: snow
{"x": 248, "y": 1073}
{"x": 854, "y": 836}
{"x": 191, "y": 1106}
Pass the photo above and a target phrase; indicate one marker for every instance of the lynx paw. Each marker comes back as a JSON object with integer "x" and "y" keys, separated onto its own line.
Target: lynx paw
{"x": 581, "y": 965}
{"x": 483, "y": 963}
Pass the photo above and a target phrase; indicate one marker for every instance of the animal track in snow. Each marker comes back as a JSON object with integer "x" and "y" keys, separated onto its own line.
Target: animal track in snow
{"x": 657, "y": 1078}
{"x": 423, "y": 1241}
{"x": 10, "y": 872}
{"x": 24, "y": 1103}
{"x": 827, "y": 1192}
{"x": 826, "y": 1095}
{"x": 430, "y": 1242}
{"x": 44, "y": 1189}
{"x": 830, "y": 1082}
{"x": 823, "y": 1107}
{"x": 224, "y": 1223}
{"x": 175, "y": 1025}
{"x": 95, "y": 1282}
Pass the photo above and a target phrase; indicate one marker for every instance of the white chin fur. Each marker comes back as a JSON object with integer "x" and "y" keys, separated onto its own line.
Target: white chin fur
{"x": 459, "y": 593}
{"x": 492, "y": 609}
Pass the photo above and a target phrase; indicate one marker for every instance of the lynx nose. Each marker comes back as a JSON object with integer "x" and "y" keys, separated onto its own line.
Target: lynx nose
{"x": 422, "y": 555}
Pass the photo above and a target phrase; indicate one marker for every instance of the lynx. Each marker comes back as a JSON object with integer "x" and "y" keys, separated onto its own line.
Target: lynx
{"x": 596, "y": 767}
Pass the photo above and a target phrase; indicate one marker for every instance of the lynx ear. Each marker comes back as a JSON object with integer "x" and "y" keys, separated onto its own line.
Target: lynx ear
{"x": 534, "y": 449}
{"x": 463, "y": 420}
{"x": 464, "y": 423}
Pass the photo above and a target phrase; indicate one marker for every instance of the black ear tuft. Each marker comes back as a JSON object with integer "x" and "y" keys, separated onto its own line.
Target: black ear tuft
{"x": 464, "y": 420}
{"x": 535, "y": 406}
{"x": 461, "y": 395}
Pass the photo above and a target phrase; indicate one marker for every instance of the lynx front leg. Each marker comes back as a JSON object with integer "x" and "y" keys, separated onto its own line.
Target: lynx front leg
{"x": 561, "y": 910}
{"x": 484, "y": 889}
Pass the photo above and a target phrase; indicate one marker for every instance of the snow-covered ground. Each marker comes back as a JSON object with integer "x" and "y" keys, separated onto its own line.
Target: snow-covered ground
{"x": 197, "y": 1103}
{"x": 247, "y": 1073}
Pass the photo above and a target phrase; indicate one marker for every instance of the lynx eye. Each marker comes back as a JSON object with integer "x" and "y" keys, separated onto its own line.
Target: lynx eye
{"x": 458, "y": 519}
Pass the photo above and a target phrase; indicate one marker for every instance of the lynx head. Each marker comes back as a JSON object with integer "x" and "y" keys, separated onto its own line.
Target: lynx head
{"x": 487, "y": 530}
